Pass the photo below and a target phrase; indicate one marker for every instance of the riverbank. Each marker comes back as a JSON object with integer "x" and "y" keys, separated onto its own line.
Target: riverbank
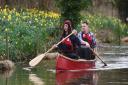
{"x": 6, "y": 65}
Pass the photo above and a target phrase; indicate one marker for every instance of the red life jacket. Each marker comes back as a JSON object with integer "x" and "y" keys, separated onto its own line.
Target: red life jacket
{"x": 68, "y": 43}
{"x": 87, "y": 37}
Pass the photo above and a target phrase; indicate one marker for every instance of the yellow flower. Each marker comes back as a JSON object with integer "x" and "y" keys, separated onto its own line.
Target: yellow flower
{"x": 14, "y": 9}
{"x": 9, "y": 18}
{"x": 36, "y": 19}
{"x": 17, "y": 14}
{"x": 5, "y": 12}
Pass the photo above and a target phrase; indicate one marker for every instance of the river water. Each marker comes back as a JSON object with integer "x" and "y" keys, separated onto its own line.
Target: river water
{"x": 115, "y": 73}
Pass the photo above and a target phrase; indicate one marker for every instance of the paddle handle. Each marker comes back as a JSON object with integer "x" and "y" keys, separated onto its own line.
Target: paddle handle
{"x": 65, "y": 38}
{"x": 59, "y": 42}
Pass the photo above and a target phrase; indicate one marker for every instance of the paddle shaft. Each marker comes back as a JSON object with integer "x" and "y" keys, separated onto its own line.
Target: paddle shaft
{"x": 98, "y": 57}
{"x": 37, "y": 59}
{"x": 58, "y": 43}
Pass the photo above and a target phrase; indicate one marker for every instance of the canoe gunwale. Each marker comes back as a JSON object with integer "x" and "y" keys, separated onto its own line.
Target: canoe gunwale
{"x": 65, "y": 63}
{"x": 74, "y": 60}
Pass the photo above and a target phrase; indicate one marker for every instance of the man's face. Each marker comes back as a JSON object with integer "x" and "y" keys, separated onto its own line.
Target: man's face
{"x": 85, "y": 28}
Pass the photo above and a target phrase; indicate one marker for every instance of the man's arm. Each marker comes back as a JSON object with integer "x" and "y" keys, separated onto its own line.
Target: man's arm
{"x": 82, "y": 41}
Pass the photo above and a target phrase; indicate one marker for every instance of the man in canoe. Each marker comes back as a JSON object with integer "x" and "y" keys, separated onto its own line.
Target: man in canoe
{"x": 88, "y": 42}
{"x": 69, "y": 46}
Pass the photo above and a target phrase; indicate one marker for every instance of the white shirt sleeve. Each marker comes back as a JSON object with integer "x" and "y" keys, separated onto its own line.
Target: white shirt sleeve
{"x": 80, "y": 36}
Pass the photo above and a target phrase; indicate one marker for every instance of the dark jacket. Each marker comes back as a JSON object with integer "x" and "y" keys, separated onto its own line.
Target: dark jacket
{"x": 75, "y": 44}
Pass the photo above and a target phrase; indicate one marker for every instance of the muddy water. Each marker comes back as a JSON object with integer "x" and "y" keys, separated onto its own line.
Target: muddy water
{"x": 116, "y": 72}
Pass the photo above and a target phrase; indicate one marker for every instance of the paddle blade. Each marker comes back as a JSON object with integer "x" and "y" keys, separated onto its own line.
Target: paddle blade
{"x": 105, "y": 64}
{"x": 36, "y": 60}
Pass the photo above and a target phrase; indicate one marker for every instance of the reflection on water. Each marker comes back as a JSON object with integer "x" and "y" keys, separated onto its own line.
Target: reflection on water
{"x": 76, "y": 78}
{"x": 36, "y": 80}
{"x": 116, "y": 57}
{"x": 116, "y": 73}
{"x": 6, "y": 73}
{"x": 113, "y": 77}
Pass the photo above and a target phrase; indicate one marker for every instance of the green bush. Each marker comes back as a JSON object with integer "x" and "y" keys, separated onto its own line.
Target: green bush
{"x": 26, "y": 32}
{"x": 98, "y": 22}
{"x": 70, "y": 9}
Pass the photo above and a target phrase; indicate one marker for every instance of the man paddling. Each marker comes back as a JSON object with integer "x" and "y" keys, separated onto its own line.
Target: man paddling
{"x": 88, "y": 42}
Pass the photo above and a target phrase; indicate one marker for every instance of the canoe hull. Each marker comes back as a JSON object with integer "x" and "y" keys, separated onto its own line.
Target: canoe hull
{"x": 65, "y": 63}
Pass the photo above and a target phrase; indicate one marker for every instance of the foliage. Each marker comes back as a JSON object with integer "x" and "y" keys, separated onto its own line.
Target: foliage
{"x": 30, "y": 31}
{"x": 122, "y": 6}
{"x": 98, "y": 22}
{"x": 70, "y": 9}
{"x": 26, "y": 31}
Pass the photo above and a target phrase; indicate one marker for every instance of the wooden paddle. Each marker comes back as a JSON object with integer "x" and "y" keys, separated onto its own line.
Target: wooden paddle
{"x": 37, "y": 59}
{"x": 98, "y": 57}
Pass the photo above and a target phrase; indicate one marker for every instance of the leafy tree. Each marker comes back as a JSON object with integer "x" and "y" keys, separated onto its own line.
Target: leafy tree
{"x": 70, "y": 9}
{"x": 122, "y": 6}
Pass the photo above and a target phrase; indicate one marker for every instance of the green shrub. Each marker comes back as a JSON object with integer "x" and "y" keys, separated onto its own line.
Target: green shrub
{"x": 70, "y": 9}
{"x": 30, "y": 31}
{"x": 26, "y": 31}
{"x": 98, "y": 22}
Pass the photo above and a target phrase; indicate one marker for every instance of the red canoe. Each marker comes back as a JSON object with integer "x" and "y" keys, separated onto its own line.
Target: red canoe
{"x": 65, "y": 63}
